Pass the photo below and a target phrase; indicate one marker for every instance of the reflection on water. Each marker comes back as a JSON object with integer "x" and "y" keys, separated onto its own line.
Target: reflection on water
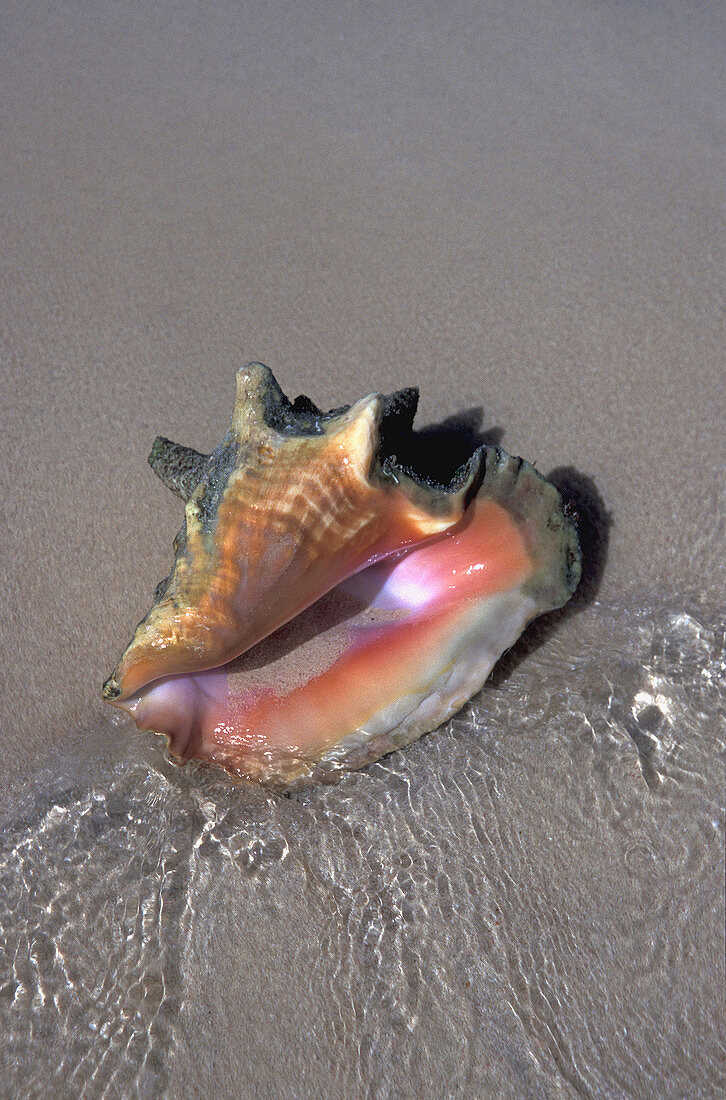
{"x": 528, "y": 902}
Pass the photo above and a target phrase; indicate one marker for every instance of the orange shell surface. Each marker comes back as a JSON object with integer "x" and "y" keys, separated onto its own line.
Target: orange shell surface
{"x": 290, "y": 516}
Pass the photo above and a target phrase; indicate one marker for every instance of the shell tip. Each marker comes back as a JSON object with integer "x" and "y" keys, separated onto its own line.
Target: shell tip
{"x": 111, "y": 690}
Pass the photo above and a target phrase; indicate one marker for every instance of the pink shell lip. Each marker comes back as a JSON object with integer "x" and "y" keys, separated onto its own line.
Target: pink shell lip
{"x": 289, "y": 700}
{"x": 417, "y": 632}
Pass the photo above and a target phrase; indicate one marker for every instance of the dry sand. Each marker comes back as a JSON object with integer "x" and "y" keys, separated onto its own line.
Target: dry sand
{"x": 518, "y": 207}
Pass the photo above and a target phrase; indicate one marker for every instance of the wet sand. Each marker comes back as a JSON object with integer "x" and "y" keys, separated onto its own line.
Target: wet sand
{"x": 519, "y": 208}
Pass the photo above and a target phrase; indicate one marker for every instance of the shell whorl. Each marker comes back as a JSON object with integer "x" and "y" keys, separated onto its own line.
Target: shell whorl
{"x": 291, "y": 502}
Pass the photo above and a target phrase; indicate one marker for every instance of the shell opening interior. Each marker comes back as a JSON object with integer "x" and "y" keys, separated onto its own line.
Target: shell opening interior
{"x": 361, "y": 661}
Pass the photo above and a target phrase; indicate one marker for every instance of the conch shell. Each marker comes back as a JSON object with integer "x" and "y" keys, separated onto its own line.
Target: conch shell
{"x": 399, "y": 594}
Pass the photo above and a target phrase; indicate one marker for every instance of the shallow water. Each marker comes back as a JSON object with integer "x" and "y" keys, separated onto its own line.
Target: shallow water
{"x": 528, "y": 902}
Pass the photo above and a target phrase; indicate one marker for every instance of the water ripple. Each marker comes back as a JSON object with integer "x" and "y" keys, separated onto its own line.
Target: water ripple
{"x": 527, "y": 903}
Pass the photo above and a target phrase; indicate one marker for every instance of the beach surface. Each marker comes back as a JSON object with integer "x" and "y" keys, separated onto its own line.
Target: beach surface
{"x": 520, "y": 209}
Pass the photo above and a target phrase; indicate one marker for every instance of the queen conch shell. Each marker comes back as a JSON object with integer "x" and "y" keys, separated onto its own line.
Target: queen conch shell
{"x": 327, "y": 605}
